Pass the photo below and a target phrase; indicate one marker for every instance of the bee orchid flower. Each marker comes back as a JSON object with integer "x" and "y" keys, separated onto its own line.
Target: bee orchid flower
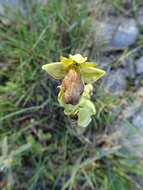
{"x": 74, "y": 95}
{"x": 87, "y": 70}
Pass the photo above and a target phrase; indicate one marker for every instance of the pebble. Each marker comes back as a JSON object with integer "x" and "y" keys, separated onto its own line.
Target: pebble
{"x": 14, "y": 5}
{"x": 18, "y": 2}
{"x": 105, "y": 64}
{"x": 140, "y": 17}
{"x": 139, "y": 92}
{"x": 118, "y": 33}
{"x": 131, "y": 127}
{"x": 9, "y": 2}
{"x": 130, "y": 67}
{"x": 115, "y": 82}
{"x": 132, "y": 110}
{"x": 138, "y": 120}
{"x": 139, "y": 65}
{"x": 126, "y": 34}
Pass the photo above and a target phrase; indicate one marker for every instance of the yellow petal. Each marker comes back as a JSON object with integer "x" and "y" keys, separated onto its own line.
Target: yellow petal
{"x": 63, "y": 59}
{"x": 78, "y": 58}
{"x": 91, "y": 74}
{"x": 66, "y": 61}
{"x": 57, "y": 70}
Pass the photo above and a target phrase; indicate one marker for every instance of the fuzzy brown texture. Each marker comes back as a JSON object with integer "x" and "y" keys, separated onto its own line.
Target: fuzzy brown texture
{"x": 72, "y": 87}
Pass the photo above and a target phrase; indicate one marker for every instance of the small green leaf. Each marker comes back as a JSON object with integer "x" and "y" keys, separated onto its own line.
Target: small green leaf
{"x": 84, "y": 118}
{"x": 85, "y": 113}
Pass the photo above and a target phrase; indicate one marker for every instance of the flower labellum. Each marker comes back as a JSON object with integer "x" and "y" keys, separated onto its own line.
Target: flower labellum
{"x": 72, "y": 87}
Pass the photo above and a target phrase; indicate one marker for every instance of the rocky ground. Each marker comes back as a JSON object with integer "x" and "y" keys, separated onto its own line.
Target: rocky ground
{"x": 125, "y": 74}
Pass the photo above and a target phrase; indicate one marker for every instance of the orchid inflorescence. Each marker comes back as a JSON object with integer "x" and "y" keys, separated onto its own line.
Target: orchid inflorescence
{"x": 75, "y": 90}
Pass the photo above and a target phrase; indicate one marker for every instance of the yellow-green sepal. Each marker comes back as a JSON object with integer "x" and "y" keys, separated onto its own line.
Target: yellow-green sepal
{"x": 57, "y": 69}
{"x": 91, "y": 74}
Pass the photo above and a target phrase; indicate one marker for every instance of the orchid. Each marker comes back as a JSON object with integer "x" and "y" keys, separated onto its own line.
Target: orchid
{"x": 78, "y": 75}
{"x": 59, "y": 70}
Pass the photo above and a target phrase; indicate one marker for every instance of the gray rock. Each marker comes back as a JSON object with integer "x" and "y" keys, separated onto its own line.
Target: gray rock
{"x": 115, "y": 112}
{"x": 138, "y": 120}
{"x": 139, "y": 92}
{"x": 14, "y": 3}
{"x": 129, "y": 123}
{"x": 131, "y": 111}
{"x": 126, "y": 34}
{"x": 118, "y": 33}
{"x": 123, "y": 72}
{"x": 18, "y": 4}
{"x": 104, "y": 63}
{"x": 129, "y": 64}
{"x": 115, "y": 82}
{"x": 9, "y": 2}
{"x": 131, "y": 138}
{"x": 130, "y": 67}
{"x": 131, "y": 127}
{"x": 140, "y": 17}
{"x": 104, "y": 31}
{"x": 1, "y": 9}
{"x": 139, "y": 65}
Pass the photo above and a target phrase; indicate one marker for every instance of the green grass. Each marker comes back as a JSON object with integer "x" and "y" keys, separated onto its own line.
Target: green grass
{"x": 37, "y": 150}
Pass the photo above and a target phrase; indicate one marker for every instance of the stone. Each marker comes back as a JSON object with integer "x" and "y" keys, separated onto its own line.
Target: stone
{"x": 126, "y": 34}
{"x": 104, "y": 31}
{"x": 139, "y": 65}
{"x": 123, "y": 72}
{"x": 118, "y": 33}
{"x": 138, "y": 120}
{"x": 3, "y": 19}
{"x": 105, "y": 63}
{"x": 131, "y": 137}
{"x": 131, "y": 127}
{"x": 140, "y": 17}
{"x": 115, "y": 82}
{"x": 9, "y": 2}
{"x": 128, "y": 63}
{"x": 132, "y": 110}
{"x": 15, "y": 5}
{"x": 139, "y": 92}
{"x": 130, "y": 67}
{"x": 115, "y": 112}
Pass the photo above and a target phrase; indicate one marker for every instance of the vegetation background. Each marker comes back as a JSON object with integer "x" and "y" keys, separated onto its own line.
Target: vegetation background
{"x": 38, "y": 152}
